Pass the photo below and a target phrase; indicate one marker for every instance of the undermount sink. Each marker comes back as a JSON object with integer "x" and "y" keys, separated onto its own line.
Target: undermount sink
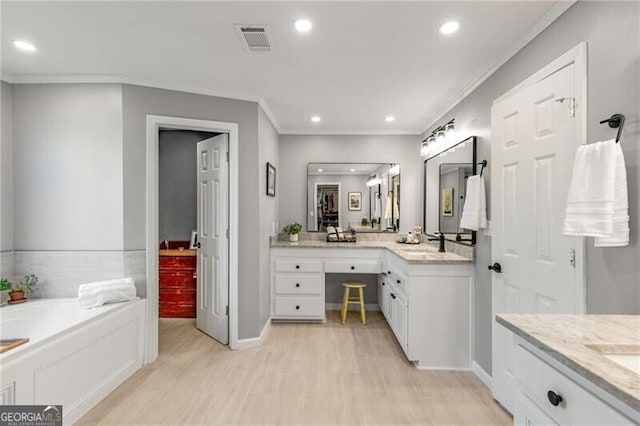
{"x": 627, "y": 356}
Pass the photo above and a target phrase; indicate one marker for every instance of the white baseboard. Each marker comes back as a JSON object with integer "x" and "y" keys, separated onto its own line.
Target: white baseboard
{"x": 255, "y": 342}
{"x": 482, "y": 374}
{"x": 422, "y": 367}
{"x": 338, "y": 306}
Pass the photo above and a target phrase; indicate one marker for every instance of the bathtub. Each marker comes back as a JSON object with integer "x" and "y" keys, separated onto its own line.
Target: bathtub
{"x": 74, "y": 357}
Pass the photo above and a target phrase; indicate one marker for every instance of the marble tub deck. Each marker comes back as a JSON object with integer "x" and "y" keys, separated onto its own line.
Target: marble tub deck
{"x": 580, "y": 342}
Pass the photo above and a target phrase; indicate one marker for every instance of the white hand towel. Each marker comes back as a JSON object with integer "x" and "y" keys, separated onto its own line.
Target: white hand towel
{"x": 620, "y": 219}
{"x": 597, "y": 203}
{"x": 474, "y": 213}
{"x": 96, "y": 294}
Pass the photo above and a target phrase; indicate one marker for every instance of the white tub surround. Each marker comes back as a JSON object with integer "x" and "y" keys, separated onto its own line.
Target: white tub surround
{"x": 425, "y": 296}
{"x": 74, "y": 357}
{"x": 591, "y": 362}
{"x": 62, "y": 272}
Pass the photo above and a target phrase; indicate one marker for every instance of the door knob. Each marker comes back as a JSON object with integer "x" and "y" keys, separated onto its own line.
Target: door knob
{"x": 496, "y": 267}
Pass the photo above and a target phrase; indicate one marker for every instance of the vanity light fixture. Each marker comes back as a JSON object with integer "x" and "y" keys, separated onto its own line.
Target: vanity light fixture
{"x": 352, "y": 170}
{"x": 303, "y": 25}
{"x": 389, "y": 118}
{"x": 373, "y": 180}
{"x": 449, "y": 28}
{"x": 316, "y": 118}
{"x": 24, "y": 46}
{"x": 438, "y": 138}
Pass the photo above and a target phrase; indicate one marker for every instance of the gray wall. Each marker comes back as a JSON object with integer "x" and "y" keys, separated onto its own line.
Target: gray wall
{"x": 139, "y": 101}
{"x": 67, "y": 175}
{"x": 613, "y": 35}
{"x": 298, "y": 150}
{"x": 6, "y": 170}
{"x": 177, "y": 182}
{"x": 268, "y": 210}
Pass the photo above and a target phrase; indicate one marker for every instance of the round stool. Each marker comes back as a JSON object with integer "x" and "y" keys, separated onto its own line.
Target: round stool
{"x": 347, "y": 299}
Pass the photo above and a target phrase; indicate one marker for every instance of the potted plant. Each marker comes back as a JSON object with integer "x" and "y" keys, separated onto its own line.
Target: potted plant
{"x": 24, "y": 288}
{"x": 293, "y": 229}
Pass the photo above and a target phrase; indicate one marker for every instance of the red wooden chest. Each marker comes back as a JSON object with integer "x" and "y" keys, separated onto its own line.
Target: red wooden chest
{"x": 177, "y": 279}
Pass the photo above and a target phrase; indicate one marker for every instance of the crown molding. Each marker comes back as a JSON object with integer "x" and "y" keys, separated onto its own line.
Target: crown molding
{"x": 125, "y": 79}
{"x": 532, "y": 32}
{"x": 356, "y": 132}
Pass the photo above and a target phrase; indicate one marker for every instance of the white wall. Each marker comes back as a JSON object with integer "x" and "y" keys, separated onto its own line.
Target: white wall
{"x": 296, "y": 151}
{"x": 6, "y": 170}
{"x": 67, "y": 159}
{"x": 268, "y": 144}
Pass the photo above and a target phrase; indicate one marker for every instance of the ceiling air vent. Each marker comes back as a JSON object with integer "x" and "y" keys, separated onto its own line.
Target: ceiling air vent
{"x": 255, "y": 38}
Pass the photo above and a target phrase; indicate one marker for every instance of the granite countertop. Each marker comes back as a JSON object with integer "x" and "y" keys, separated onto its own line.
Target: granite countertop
{"x": 413, "y": 254}
{"x": 580, "y": 342}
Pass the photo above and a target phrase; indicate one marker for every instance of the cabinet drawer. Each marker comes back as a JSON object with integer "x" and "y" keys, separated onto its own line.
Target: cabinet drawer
{"x": 579, "y": 406}
{"x": 294, "y": 307}
{"x": 180, "y": 279}
{"x": 177, "y": 262}
{"x": 298, "y": 265}
{"x": 353, "y": 266}
{"x": 298, "y": 284}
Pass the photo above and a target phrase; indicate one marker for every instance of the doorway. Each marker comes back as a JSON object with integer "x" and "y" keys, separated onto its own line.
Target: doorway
{"x": 230, "y": 235}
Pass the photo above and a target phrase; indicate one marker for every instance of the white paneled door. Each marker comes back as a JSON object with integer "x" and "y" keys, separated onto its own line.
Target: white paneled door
{"x": 534, "y": 270}
{"x": 213, "y": 252}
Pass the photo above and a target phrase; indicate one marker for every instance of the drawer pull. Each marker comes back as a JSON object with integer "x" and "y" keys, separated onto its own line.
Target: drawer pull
{"x": 554, "y": 398}
{"x": 382, "y": 282}
{"x": 297, "y": 307}
{"x": 297, "y": 284}
{"x": 297, "y": 266}
{"x": 388, "y": 272}
{"x": 398, "y": 281}
{"x": 393, "y": 296}
{"x": 353, "y": 267}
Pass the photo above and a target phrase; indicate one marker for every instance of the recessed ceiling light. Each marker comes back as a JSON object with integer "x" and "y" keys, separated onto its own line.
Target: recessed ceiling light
{"x": 389, "y": 118}
{"x": 24, "y": 45}
{"x": 315, "y": 118}
{"x": 352, "y": 170}
{"x": 320, "y": 170}
{"x": 449, "y": 27}
{"x": 303, "y": 25}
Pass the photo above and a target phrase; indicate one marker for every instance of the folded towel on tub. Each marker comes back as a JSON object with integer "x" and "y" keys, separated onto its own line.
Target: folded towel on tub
{"x": 92, "y": 295}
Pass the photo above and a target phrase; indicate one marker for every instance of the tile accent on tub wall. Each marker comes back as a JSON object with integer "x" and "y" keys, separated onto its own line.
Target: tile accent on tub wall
{"x": 61, "y": 272}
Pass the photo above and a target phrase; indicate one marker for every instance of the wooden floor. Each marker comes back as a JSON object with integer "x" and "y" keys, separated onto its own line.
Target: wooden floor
{"x": 303, "y": 374}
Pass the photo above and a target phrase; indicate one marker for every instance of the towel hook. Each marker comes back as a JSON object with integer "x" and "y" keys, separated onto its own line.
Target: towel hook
{"x": 616, "y": 121}
{"x": 484, "y": 164}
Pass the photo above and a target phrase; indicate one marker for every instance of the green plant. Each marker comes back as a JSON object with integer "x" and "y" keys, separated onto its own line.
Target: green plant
{"x": 292, "y": 228}
{"x": 28, "y": 285}
{"x": 5, "y": 284}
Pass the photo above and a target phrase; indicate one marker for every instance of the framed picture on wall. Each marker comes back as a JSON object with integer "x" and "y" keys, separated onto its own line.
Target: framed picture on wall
{"x": 271, "y": 180}
{"x": 355, "y": 200}
{"x": 447, "y": 201}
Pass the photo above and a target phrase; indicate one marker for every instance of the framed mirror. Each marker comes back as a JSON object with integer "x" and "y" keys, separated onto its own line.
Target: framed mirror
{"x": 445, "y": 178}
{"x": 361, "y": 196}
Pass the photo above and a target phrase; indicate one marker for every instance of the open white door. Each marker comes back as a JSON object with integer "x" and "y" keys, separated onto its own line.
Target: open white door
{"x": 533, "y": 147}
{"x": 213, "y": 252}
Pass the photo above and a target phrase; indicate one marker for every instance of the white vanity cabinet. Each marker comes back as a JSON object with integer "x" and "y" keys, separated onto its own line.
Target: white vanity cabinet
{"x": 297, "y": 288}
{"x": 426, "y": 304}
{"x": 428, "y": 307}
{"x": 547, "y": 395}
